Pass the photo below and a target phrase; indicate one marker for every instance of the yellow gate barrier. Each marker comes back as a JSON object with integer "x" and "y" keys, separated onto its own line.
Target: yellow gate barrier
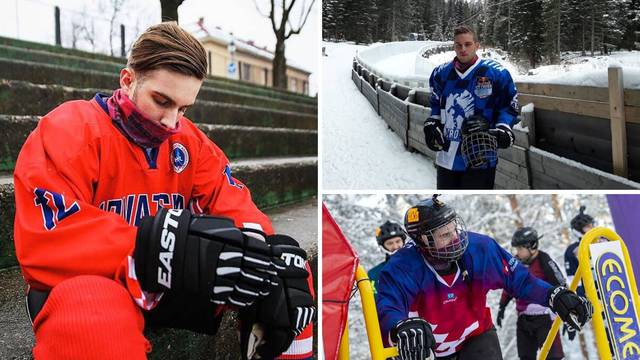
{"x": 617, "y": 286}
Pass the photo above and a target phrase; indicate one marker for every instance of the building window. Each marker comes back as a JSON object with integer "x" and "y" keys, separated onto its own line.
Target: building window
{"x": 266, "y": 77}
{"x": 305, "y": 87}
{"x": 209, "y": 62}
{"x": 245, "y": 72}
{"x": 294, "y": 84}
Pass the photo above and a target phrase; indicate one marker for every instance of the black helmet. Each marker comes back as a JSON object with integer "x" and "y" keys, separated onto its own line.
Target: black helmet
{"x": 581, "y": 220}
{"x": 526, "y": 237}
{"x": 389, "y": 230}
{"x": 423, "y": 219}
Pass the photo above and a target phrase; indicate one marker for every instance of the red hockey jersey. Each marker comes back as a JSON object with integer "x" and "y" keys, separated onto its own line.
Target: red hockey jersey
{"x": 81, "y": 187}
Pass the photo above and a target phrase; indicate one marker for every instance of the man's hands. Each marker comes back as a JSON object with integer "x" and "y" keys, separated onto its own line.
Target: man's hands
{"x": 574, "y": 310}
{"x": 504, "y": 136}
{"x": 203, "y": 255}
{"x": 414, "y": 339}
{"x": 287, "y": 310}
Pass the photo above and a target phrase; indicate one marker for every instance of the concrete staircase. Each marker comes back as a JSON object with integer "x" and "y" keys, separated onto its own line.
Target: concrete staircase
{"x": 269, "y": 135}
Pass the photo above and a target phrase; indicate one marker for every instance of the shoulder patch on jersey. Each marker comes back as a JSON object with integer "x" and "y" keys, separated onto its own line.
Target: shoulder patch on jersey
{"x": 179, "y": 157}
{"x": 227, "y": 173}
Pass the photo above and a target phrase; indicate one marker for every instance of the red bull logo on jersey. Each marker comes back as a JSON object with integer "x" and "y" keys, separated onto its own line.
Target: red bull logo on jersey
{"x": 483, "y": 87}
{"x": 621, "y": 316}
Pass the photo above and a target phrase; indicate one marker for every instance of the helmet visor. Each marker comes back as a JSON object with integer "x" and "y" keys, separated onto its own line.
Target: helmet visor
{"x": 446, "y": 242}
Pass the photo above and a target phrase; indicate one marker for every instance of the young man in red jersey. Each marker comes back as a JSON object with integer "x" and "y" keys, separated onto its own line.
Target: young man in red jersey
{"x": 127, "y": 214}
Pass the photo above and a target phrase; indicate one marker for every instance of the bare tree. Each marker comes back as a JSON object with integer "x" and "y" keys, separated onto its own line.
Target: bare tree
{"x": 515, "y": 207}
{"x": 76, "y": 31}
{"x": 557, "y": 211}
{"x": 116, "y": 7}
{"x": 283, "y": 29}
{"x": 170, "y": 9}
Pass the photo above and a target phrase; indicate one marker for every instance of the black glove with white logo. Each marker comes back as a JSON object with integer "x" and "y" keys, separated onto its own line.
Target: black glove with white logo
{"x": 475, "y": 123}
{"x": 574, "y": 310}
{"x": 433, "y": 135}
{"x": 569, "y": 331}
{"x": 414, "y": 339}
{"x": 504, "y": 136}
{"x": 202, "y": 255}
{"x": 287, "y": 310}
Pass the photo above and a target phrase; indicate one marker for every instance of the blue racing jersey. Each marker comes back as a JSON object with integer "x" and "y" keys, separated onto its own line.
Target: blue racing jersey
{"x": 485, "y": 89}
{"x": 454, "y": 305}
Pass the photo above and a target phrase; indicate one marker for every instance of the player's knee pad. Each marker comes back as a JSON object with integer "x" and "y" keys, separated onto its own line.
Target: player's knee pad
{"x": 89, "y": 317}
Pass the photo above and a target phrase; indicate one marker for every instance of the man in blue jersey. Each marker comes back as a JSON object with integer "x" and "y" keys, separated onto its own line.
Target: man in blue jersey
{"x": 390, "y": 237}
{"x": 445, "y": 277}
{"x": 469, "y": 95}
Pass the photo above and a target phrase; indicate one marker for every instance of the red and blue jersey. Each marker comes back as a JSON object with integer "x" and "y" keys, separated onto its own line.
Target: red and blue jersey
{"x": 485, "y": 89}
{"x": 454, "y": 305}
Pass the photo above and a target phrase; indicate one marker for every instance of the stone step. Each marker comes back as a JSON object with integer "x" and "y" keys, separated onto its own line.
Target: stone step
{"x": 42, "y": 73}
{"x": 12, "y": 70}
{"x": 24, "y": 98}
{"x": 273, "y": 182}
{"x": 48, "y": 50}
{"x": 16, "y": 336}
{"x": 236, "y": 141}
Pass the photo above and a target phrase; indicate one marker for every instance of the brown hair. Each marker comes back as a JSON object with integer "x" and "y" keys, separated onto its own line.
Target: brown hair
{"x": 168, "y": 46}
{"x": 464, "y": 29}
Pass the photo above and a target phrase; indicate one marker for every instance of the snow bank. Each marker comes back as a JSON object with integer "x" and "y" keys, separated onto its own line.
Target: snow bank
{"x": 588, "y": 71}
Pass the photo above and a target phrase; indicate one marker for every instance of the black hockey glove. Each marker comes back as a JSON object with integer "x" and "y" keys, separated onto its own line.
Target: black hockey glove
{"x": 504, "y": 136}
{"x": 569, "y": 331}
{"x": 433, "y": 136}
{"x": 500, "y": 316}
{"x": 414, "y": 339}
{"x": 475, "y": 123}
{"x": 503, "y": 306}
{"x": 287, "y": 310}
{"x": 574, "y": 310}
{"x": 202, "y": 255}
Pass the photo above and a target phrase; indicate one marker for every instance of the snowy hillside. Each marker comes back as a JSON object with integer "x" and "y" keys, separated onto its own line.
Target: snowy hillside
{"x": 359, "y": 215}
{"x": 358, "y": 150}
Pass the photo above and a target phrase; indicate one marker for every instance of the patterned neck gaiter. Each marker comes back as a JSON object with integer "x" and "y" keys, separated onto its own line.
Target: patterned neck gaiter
{"x": 463, "y": 67}
{"x": 134, "y": 124}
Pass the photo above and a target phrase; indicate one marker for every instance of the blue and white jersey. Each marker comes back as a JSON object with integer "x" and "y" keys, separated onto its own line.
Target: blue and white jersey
{"x": 485, "y": 89}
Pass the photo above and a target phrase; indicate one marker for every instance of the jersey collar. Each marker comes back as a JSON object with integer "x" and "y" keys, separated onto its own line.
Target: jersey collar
{"x": 440, "y": 279}
{"x": 469, "y": 70}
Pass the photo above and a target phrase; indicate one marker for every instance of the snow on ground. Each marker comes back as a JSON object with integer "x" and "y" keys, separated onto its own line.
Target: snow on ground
{"x": 358, "y": 150}
{"x": 400, "y": 65}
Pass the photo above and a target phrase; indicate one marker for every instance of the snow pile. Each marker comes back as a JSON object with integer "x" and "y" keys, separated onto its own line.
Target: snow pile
{"x": 588, "y": 71}
{"x": 358, "y": 150}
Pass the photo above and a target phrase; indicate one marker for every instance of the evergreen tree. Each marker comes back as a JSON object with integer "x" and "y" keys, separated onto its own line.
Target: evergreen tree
{"x": 527, "y": 38}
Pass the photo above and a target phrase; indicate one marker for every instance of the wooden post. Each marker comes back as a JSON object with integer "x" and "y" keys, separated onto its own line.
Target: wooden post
{"x": 123, "y": 53}
{"x": 618, "y": 125}
{"x": 57, "y": 19}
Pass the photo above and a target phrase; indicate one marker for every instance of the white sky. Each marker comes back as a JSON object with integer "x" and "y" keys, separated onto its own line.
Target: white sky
{"x": 33, "y": 20}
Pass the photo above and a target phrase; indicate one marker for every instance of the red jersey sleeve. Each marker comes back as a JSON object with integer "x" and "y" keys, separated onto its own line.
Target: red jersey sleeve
{"x": 217, "y": 192}
{"x": 58, "y": 232}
